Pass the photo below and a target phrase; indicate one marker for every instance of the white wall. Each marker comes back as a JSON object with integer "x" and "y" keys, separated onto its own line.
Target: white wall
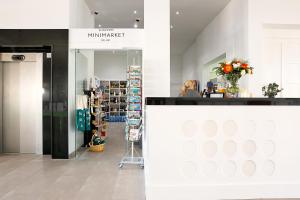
{"x": 227, "y": 33}
{"x": 262, "y": 13}
{"x": 189, "y": 64}
{"x": 80, "y": 15}
{"x": 157, "y": 48}
{"x": 35, "y": 14}
{"x": 238, "y": 31}
{"x": 176, "y": 75}
{"x": 109, "y": 66}
{"x": 45, "y": 14}
{"x": 281, "y": 46}
{"x": 90, "y": 55}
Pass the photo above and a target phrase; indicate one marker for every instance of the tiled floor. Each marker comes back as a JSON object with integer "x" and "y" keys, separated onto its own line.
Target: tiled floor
{"x": 91, "y": 176}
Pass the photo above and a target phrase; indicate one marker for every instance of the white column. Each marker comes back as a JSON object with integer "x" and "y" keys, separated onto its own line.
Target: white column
{"x": 157, "y": 48}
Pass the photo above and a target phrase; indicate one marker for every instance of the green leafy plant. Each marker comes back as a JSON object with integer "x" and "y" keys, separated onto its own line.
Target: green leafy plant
{"x": 271, "y": 90}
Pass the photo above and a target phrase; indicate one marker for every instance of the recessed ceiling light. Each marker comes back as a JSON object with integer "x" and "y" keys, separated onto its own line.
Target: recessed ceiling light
{"x": 136, "y": 23}
{"x": 177, "y": 13}
{"x": 135, "y": 12}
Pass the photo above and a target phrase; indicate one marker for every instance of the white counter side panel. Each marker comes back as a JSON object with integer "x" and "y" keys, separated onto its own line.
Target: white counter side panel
{"x": 222, "y": 152}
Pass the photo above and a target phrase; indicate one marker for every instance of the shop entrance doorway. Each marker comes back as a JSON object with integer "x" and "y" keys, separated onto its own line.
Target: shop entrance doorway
{"x": 103, "y": 103}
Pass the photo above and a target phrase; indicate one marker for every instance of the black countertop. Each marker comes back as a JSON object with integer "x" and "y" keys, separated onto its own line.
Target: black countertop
{"x": 221, "y": 101}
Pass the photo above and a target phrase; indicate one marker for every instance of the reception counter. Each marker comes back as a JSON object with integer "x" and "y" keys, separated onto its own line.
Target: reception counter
{"x": 206, "y": 149}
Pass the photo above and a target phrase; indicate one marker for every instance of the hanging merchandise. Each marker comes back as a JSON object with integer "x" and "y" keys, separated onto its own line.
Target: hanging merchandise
{"x": 94, "y": 116}
{"x": 87, "y": 120}
{"x": 80, "y": 119}
{"x": 81, "y": 101}
{"x": 83, "y": 119}
{"x": 94, "y": 82}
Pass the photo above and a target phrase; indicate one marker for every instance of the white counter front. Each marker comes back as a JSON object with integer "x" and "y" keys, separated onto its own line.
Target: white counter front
{"x": 202, "y": 152}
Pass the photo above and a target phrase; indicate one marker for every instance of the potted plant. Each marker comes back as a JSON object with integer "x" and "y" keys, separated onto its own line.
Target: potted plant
{"x": 232, "y": 72}
{"x": 271, "y": 90}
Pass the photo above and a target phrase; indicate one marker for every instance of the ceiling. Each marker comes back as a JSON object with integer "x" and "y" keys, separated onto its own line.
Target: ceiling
{"x": 117, "y": 13}
{"x": 194, "y": 16}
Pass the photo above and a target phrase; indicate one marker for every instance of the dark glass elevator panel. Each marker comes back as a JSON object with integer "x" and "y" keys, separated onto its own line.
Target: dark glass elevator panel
{"x": 54, "y": 44}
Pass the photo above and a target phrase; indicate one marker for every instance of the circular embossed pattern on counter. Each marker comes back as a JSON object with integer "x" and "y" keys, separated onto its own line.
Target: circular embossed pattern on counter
{"x": 210, "y": 168}
{"x": 269, "y": 128}
{"x": 230, "y": 148}
{"x": 189, "y": 128}
{"x": 269, "y": 148}
{"x": 249, "y": 168}
{"x": 229, "y": 168}
{"x": 230, "y": 128}
{"x": 250, "y": 128}
{"x": 210, "y": 149}
{"x": 249, "y": 148}
{"x": 210, "y": 128}
{"x": 269, "y": 167}
{"x": 189, "y": 169}
{"x": 189, "y": 148}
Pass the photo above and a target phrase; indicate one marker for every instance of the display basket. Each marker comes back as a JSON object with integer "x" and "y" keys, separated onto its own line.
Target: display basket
{"x": 96, "y": 148}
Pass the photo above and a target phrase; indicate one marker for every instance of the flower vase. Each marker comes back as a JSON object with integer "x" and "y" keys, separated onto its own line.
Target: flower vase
{"x": 233, "y": 89}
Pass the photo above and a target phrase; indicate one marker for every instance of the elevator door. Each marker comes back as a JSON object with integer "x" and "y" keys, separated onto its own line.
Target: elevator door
{"x": 11, "y": 107}
{"x": 22, "y": 106}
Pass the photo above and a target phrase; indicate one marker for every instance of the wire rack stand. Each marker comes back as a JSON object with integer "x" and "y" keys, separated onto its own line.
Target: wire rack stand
{"x": 132, "y": 156}
{"x": 134, "y": 122}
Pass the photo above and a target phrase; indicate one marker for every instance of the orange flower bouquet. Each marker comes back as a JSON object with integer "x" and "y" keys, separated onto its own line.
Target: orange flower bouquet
{"x": 232, "y": 72}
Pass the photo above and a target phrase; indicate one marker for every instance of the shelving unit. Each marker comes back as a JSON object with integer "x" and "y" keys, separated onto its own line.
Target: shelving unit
{"x": 115, "y": 100}
{"x": 96, "y": 122}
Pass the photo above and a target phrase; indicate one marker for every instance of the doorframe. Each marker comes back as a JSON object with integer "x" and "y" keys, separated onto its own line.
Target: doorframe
{"x": 283, "y": 34}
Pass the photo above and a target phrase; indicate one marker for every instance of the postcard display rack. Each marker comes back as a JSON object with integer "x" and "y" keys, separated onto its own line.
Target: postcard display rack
{"x": 134, "y": 124}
